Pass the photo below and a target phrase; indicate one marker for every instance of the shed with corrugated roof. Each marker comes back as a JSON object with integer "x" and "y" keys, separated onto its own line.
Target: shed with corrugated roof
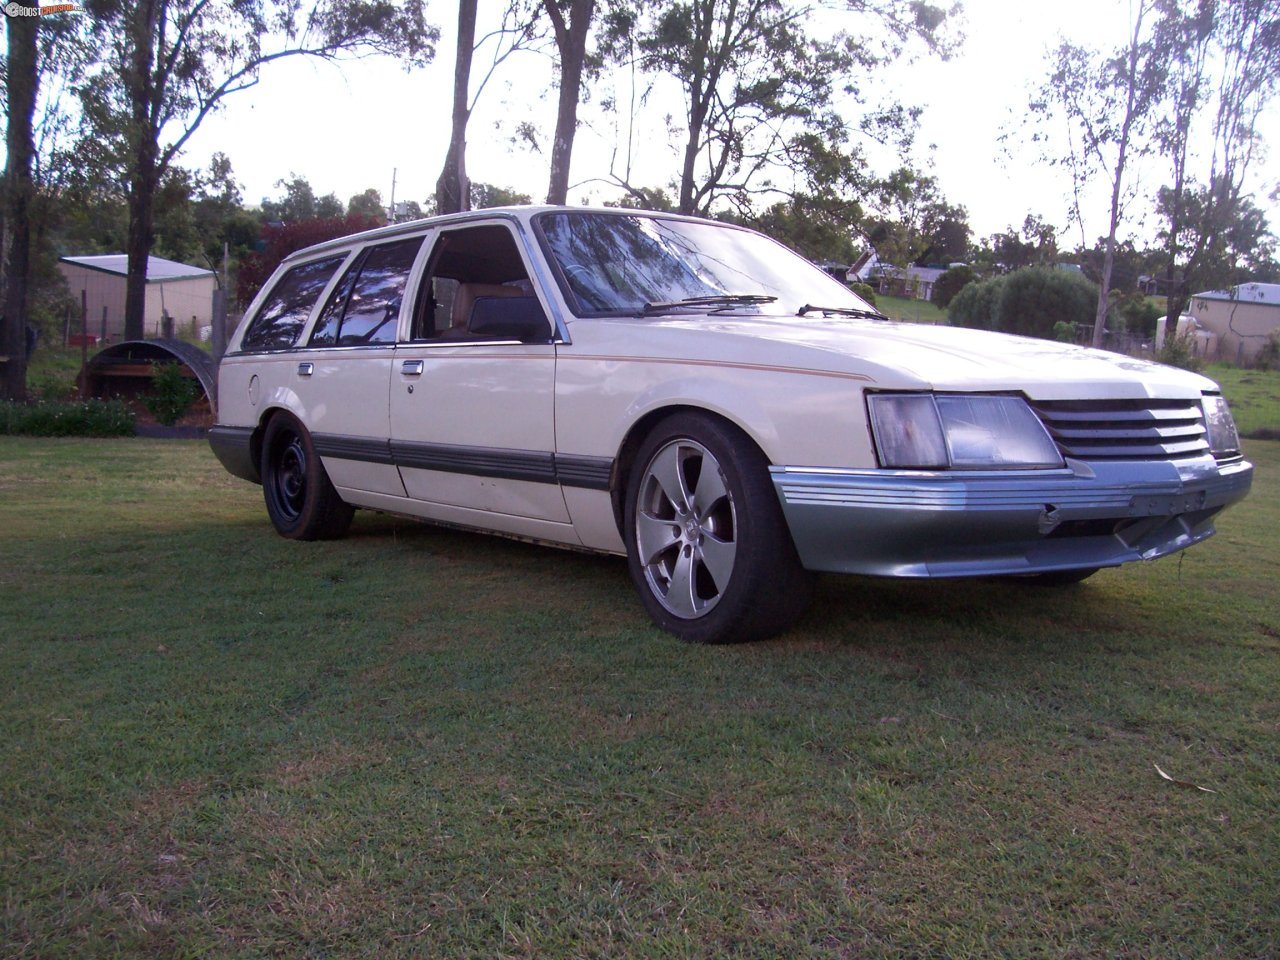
{"x": 181, "y": 291}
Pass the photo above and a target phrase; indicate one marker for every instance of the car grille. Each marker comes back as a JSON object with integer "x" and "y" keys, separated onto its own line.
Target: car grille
{"x": 1125, "y": 429}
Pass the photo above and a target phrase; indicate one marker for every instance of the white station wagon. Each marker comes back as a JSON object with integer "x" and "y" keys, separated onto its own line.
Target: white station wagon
{"x": 701, "y": 399}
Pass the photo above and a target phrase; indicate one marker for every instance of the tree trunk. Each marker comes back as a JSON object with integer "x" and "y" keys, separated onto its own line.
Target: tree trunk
{"x": 1104, "y": 290}
{"x": 143, "y": 139}
{"x": 571, "y": 39}
{"x": 22, "y": 79}
{"x": 142, "y": 193}
{"x": 452, "y": 189}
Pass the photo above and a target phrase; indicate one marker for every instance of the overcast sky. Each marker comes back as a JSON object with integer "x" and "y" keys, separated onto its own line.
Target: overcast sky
{"x": 350, "y": 127}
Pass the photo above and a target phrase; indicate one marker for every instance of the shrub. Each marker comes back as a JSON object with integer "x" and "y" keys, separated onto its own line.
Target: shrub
{"x": 1136, "y": 313}
{"x": 1268, "y": 357}
{"x": 865, "y": 291}
{"x": 1035, "y": 299}
{"x": 89, "y": 418}
{"x": 173, "y": 393}
{"x": 1179, "y": 351}
{"x": 951, "y": 283}
{"x": 976, "y": 304}
{"x": 1064, "y": 332}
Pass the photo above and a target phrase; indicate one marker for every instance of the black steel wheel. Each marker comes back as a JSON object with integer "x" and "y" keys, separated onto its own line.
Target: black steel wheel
{"x": 301, "y": 500}
{"x": 707, "y": 545}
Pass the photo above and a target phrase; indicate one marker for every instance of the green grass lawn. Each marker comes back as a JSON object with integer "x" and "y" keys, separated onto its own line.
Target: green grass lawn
{"x": 422, "y": 743}
{"x": 1254, "y": 396}
{"x": 903, "y": 308}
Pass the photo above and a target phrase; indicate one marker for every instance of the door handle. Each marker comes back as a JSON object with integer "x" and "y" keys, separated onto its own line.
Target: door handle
{"x": 412, "y": 368}
{"x": 305, "y": 369}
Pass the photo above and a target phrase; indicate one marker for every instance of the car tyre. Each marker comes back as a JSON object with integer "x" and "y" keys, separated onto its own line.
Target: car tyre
{"x": 301, "y": 501}
{"x": 707, "y": 545}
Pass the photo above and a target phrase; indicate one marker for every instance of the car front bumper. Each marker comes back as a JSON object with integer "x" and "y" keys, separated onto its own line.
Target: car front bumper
{"x": 952, "y": 524}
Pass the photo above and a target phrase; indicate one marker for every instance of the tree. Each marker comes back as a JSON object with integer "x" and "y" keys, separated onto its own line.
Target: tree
{"x": 281, "y": 239}
{"x": 945, "y": 229}
{"x": 485, "y": 195}
{"x": 1229, "y": 243}
{"x": 571, "y": 24}
{"x": 1242, "y": 38}
{"x": 300, "y": 202}
{"x": 759, "y": 92}
{"x": 1110, "y": 104}
{"x": 451, "y": 187}
{"x": 21, "y": 84}
{"x": 815, "y": 227}
{"x": 1037, "y": 243}
{"x": 915, "y": 224}
{"x": 168, "y": 64}
{"x": 368, "y": 205}
{"x": 950, "y": 284}
{"x": 518, "y": 29}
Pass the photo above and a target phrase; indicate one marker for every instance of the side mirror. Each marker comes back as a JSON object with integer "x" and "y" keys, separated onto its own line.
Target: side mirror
{"x": 510, "y": 318}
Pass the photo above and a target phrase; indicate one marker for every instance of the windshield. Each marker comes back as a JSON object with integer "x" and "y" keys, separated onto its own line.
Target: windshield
{"x": 612, "y": 264}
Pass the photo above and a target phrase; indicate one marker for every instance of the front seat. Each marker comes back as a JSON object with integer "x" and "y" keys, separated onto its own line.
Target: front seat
{"x": 464, "y": 299}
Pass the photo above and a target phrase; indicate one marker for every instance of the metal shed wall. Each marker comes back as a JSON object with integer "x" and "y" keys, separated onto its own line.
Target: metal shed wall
{"x": 187, "y": 300}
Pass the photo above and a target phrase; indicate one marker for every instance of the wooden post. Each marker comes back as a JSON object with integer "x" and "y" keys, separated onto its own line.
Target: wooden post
{"x": 219, "y": 332}
{"x": 84, "y": 339}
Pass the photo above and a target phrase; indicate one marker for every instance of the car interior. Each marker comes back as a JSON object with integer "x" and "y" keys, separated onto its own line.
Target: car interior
{"x": 477, "y": 288}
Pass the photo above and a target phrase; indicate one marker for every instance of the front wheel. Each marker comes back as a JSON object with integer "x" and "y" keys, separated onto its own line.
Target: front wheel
{"x": 707, "y": 545}
{"x": 300, "y": 498}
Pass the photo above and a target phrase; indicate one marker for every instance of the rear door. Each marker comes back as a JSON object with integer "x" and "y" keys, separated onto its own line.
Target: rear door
{"x": 342, "y": 375}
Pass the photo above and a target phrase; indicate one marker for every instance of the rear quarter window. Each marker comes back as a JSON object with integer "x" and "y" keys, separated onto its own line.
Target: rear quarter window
{"x": 284, "y": 313}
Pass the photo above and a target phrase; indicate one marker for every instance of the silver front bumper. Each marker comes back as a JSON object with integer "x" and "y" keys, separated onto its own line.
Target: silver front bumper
{"x": 964, "y": 524}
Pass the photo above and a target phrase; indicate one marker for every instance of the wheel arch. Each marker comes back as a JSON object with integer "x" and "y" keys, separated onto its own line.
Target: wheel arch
{"x": 624, "y": 462}
{"x": 260, "y": 431}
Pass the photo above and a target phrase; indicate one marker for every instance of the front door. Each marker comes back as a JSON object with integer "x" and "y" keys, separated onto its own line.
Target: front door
{"x": 472, "y": 414}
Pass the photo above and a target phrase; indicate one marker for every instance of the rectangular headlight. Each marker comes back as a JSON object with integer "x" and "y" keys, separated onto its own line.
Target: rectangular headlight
{"x": 908, "y": 431}
{"x": 1224, "y": 441}
{"x": 991, "y": 433}
{"x": 965, "y": 432}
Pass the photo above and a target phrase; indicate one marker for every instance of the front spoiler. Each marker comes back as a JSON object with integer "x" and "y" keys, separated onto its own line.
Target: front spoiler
{"x": 962, "y": 524}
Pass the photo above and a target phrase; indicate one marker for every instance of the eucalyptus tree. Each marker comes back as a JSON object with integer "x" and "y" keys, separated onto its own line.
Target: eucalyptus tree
{"x": 167, "y": 64}
{"x": 519, "y": 29}
{"x": 764, "y": 97}
{"x": 21, "y": 84}
{"x": 44, "y": 58}
{"x": 914, "y": 223}
{"x": 1225, "y": 76}
{"x": 1111, "y": 103}
{"x": 571, "y": 26}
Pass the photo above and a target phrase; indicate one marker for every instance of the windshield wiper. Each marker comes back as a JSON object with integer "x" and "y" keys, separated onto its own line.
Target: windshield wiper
{"x": 843, "y": 312}
{"x": 721, "y": 300}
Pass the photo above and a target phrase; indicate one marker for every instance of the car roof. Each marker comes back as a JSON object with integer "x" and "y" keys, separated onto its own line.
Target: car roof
{"x": 522, "y": 213}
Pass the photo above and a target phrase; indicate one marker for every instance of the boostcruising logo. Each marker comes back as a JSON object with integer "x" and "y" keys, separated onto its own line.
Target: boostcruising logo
{"x": 20, "y": 10}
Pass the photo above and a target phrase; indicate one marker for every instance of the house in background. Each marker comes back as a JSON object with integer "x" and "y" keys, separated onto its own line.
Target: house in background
{"x": 912, "y": 282}
{"x": 1242, "y": 320}
{"x": 179, "y": 290}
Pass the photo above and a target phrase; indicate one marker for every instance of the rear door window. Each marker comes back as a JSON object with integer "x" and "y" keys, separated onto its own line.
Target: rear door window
{"x": 365, "y": 306}
{"x": 284, "y": 313}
